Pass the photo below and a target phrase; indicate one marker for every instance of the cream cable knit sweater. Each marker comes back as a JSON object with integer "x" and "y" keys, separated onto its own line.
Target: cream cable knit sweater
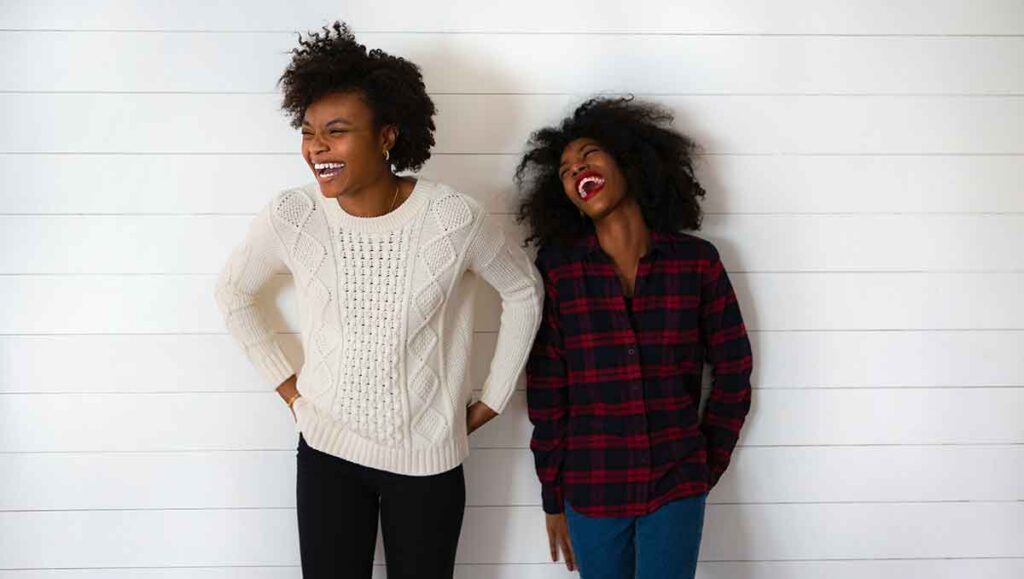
{"x": 386, "y": 316}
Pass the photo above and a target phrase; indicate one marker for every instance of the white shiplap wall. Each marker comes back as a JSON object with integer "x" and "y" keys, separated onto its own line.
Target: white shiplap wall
{"x": 864, "y": 162}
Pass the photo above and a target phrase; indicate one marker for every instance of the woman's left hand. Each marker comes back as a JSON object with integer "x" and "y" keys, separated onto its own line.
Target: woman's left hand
{"x": 477, "y": 415}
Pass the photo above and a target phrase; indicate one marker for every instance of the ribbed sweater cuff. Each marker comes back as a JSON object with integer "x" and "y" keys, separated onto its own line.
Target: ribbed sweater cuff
{"x": 496, "y": 398}
{"x": 273, "y": 364}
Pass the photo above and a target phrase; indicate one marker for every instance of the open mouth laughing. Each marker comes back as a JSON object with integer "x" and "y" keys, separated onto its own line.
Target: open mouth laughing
{"x": 327, "y": 171}
{"x": 588, "y": 184}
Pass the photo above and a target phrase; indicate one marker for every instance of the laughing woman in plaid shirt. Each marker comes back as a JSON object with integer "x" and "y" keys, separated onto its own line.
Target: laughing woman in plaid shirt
{"x": 633, "y": 306}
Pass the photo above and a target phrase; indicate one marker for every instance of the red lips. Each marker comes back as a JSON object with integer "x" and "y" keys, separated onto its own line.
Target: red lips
{"x": 590, "y": 188}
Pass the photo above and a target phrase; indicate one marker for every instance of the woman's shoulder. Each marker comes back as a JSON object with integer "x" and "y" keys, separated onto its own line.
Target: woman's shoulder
{"x": 299, "y": 197}
{"x": 552, "y": 256}
{"x": 289, "y": 211}
{"x": 436, "y": 190}
{"x": 687, "y": 242}
{"x": 450, "y": 203}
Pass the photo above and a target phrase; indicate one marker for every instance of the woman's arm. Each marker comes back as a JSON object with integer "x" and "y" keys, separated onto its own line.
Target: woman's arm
{"x": 504, "y": 265}
{"x": 252, "y": 265}
{"x": 728, "y": 350}
{"x": 548, "y": 401}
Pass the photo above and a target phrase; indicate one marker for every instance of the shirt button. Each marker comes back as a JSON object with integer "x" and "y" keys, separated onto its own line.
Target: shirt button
{"x": 631, "y": 351}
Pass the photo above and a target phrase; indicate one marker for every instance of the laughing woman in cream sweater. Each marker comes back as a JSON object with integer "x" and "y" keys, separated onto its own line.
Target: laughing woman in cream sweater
{"x": 380, "y": 264}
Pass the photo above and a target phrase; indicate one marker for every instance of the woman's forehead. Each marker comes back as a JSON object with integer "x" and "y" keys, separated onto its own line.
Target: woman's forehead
{"x": 576, "y": 145}
{"x": 348, "y": 105}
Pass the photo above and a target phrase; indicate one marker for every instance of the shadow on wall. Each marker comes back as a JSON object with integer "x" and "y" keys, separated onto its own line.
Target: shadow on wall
{"x": 725, "y": 524}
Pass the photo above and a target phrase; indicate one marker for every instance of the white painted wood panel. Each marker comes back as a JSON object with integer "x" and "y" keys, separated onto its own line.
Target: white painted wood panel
{"x": 875, "y": 137}
{"x": 820, "y": 243}
{"x": 1005, "y": 568}
{"x": 131, "y": 363}
{"x": 494, "y": 477}
{"x": 221, "y": 15}
{"x": 897, "y": 358}
{"x": 736, "y": 183}
{"x": 770, "y": 301}
{"x": 515, "y": 534}
{"x": 207, "y": 123}
{"x": 748, "y": 243}
{"x": 728, "y": 17}
{"x": 863, "y": 184}
{"x": 879, "y": 301}
{"x": 941, "y": 17}
{"x": 117, "y": 363}
{"x": 508, "y": 63}
{"x": 219, "y": 421}
{"x": 114, "y": 363}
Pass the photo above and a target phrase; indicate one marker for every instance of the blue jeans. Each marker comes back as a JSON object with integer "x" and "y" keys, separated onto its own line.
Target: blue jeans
{"x": 661, "y": 545}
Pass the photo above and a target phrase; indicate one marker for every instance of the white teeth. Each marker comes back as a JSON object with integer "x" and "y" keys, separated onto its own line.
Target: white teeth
{"x": 581, "y": 187}
{"x": 323, "y": 166}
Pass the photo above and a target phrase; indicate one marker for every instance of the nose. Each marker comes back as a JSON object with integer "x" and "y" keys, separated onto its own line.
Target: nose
{"x": 318, "y": 145}
{"x": 577, "y": 168}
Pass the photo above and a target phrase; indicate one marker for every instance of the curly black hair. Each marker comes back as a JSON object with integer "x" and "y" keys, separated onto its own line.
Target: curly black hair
{"x": 332, "y": 61}
{"x": 656, "y": 160}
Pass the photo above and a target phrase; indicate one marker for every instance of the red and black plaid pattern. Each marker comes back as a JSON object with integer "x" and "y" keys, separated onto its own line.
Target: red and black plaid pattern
{"x": 614, "y": 398}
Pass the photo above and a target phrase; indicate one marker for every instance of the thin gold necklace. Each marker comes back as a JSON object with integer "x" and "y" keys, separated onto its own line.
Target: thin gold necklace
{"x": 395, "y": 198}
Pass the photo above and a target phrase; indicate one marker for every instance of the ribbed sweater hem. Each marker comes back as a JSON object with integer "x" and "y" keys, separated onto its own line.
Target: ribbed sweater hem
{"x": 330, "y": 436}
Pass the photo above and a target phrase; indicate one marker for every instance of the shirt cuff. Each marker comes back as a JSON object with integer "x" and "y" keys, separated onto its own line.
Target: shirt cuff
{"x": 553, "y": 501}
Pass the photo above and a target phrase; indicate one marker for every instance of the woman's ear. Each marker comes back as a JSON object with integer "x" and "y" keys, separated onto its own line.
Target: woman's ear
{"x": 388, "y": 137}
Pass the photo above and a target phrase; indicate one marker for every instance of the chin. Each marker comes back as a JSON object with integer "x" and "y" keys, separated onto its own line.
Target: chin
{"x": 598, "y": 212}
{"x": 331, "y": 190}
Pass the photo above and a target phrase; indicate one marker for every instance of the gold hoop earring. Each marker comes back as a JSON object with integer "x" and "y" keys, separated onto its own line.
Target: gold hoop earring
{"x": 387, "y": 155}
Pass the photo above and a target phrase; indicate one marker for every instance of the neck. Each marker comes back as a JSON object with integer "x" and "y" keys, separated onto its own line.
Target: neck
{"x": 373, "y": 199}
{"x": 622, "y": 234}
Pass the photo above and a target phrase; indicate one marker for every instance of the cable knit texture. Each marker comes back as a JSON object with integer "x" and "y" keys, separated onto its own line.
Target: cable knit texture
{"x": 386, "y": 314}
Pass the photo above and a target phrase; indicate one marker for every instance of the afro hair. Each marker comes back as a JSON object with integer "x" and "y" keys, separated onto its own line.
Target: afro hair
{"x": 331, "y": 61}
{"x": 656, "y": 160}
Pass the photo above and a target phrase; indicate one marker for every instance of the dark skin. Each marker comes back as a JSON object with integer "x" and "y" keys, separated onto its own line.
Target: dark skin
{"x": 339, "y": 132}
{"x": 623, "y": 236}
{"x": 618, "y": 219}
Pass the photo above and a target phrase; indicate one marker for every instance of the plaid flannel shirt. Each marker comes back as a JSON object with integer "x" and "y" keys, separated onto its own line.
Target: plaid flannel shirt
{"x": 613, "y": 394}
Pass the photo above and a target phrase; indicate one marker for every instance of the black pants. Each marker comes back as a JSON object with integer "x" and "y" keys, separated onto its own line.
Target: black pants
{"x": 338, "y": 507}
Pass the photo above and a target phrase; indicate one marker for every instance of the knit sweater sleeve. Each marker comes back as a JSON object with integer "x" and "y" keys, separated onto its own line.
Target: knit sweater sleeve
{"x": 249, "y": 268}
{"x": 501, "y": 262}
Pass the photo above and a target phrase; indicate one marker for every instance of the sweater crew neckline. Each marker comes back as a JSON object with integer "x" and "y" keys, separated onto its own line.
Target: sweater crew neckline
{"x": 391, "y": 221}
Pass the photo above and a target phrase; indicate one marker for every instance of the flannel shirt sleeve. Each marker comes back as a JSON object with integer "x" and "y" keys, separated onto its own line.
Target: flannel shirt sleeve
{"x": 548, "y": 400}
{"x": 727, "y": 349}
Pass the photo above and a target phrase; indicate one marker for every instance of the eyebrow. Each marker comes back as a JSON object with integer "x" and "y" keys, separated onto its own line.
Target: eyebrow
{"x": 339, "y": 120}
